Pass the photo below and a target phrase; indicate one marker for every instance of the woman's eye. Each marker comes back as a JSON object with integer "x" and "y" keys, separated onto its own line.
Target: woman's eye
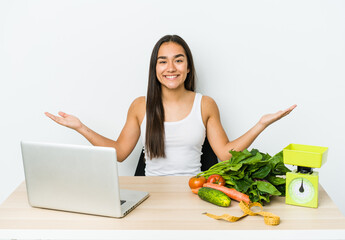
{"x": 179, "y": 60}
{"x": 162, "y": 62}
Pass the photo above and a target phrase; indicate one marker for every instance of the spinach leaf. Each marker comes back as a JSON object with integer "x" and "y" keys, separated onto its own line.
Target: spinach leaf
{"x": 242, "y": 185}
{"x": 280, "y": 169}
{"x": 239, "y": 156}
{"x": 254, "y": 195}
{"x": 262, "y": 172}
{"x": 254, "y": 167}
{"x": 276, "y": 180}
{"x": 238, "y": 174}
{"x": 264, "y": 196}
{"x": 265, "y": 156}
{"x": 253, "y": 159}
{"x": 268, "y": 188}
{"x": 278, "y": 158}
{"x": 235, "y": 167}
{"x": 281, "y": 188}
{"x": 254, "y": 151}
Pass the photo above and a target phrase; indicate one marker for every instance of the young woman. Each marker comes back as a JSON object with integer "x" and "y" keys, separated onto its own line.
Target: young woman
{"x": 173, "y": 120}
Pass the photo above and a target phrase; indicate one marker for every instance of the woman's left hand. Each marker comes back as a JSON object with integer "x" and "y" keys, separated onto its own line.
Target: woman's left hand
{"x": 268, "y": 119}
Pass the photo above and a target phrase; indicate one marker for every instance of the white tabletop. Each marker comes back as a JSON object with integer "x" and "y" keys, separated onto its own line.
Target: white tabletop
{"x": 172, "y": 211}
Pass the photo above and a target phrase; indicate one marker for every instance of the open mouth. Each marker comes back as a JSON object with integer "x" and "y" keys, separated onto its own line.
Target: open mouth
{"x": 171, "y": 76}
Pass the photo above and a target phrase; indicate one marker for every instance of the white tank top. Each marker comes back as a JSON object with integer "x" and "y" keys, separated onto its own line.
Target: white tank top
{"x": 183, "y": 143}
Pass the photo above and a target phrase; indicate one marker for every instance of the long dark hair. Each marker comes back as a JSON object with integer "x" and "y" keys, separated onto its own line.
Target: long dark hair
{"x": 154, "y": 139}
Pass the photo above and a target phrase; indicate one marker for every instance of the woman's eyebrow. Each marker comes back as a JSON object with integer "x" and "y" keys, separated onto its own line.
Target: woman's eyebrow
{"x": 179, "y": 55}
{"x": 176, "y": 56}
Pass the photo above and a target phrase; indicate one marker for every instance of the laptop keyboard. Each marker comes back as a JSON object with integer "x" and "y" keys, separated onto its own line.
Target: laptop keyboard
{"x": 122, "y": 201}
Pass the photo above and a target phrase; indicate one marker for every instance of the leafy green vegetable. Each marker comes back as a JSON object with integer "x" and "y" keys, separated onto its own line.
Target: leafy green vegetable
{"x": 276, "y": 180}
{"x": 268, "y": 188}
{"x": 243, "y": 184}
{"x": 253, "y": 159}
{"x": 281, "y": 188}
{"x": 236, "y": 167}
{"x": 280, "y": 169}
{"x": 262, "y": 172}
{"x": 253, "y": 173}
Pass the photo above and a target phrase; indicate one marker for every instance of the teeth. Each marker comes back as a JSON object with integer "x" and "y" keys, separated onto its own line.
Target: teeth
{"x": 171, "y": 76}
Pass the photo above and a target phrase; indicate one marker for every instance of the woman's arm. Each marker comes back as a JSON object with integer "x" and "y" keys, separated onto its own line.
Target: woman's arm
{"x": 129, "y": 135}
{"x": 217, "y": 136}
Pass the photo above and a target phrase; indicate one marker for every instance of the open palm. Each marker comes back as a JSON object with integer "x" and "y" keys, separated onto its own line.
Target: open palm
{"x": 268, "y": 119}
{"x": 65, "y": 120}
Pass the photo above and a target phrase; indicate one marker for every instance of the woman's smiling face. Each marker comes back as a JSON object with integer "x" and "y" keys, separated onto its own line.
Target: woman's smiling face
{"x": 172, "y": 65}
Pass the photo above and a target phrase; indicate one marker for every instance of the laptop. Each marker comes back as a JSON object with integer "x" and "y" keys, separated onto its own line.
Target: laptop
{"x": 75, "y": 178}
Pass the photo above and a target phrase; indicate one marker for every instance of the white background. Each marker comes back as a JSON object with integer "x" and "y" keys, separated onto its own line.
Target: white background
{"x": 91, "y": 59}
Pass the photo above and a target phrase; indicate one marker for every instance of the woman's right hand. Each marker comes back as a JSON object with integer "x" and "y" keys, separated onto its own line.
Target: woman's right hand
{"x": 66, "y": 120}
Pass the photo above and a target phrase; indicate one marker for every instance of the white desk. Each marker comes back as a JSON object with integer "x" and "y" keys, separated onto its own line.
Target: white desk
{"x": 172, "y": 211}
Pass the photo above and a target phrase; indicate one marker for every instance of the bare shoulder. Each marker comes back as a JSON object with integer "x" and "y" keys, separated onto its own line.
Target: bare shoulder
{"x": 208, "y": 104}
{"x": 209, "y": 108}
{"x": 139, "y": 101}
{"x": 138, "y": 108}
{"x": 207, "y": 100}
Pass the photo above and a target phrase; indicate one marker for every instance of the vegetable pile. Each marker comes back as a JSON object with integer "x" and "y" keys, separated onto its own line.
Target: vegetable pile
{"x": 253, "y": 173}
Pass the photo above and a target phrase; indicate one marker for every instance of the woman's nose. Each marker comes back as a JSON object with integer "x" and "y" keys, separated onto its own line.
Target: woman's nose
{"x": 171, "y": 67}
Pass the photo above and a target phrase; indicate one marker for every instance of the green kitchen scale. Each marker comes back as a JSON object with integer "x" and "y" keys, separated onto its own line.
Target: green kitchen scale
{"x": 302, "y": 185}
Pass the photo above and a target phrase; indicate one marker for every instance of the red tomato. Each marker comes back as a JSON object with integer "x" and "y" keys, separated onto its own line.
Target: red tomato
{"x": 216, "y": 179}
{"x": 196, "y": 182}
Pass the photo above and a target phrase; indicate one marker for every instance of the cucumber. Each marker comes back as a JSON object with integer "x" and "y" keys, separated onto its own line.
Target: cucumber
{"x": 214, "y": 196}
